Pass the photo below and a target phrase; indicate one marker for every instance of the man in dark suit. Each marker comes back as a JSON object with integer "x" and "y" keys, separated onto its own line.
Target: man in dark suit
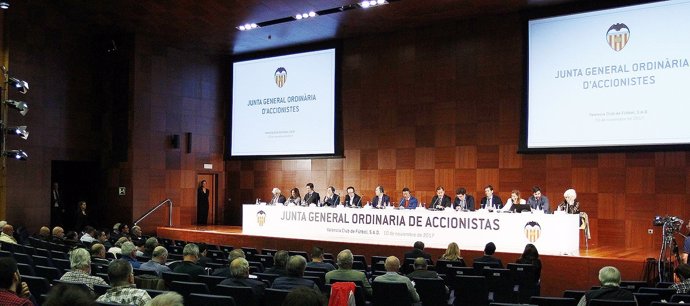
{"x": 420, "y": 270}
{"x": 418, "y": 251}
{"x": 463, "y": 201}
{"x": 190, "y": 256}
{"x": 239, "y": 276}
{"x": 280, "y": 260}
{"x": 312, "y": 197}
{"x": 352, "y": 199}
{"x": 491, "y": 201}
{"x": 278, "y": 198}
{"x": 488, "y": 257}
{"x": 295, "y": 275}
{"x": 440, "y": 199}
{"x": 331, "y": 199}
{"x": 381, "y": 199}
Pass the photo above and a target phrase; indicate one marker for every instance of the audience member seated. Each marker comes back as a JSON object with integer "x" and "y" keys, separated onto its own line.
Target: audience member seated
{"x": 530, "y": 256}
{"x": 203, "y": 259}
{"x": 420, "y": 270}
{"x": 682, "y": 273}
{"x": 72, "y": 240}
{"x": 280, "y": 260}
{"x": 44, "y": 233}
{"x": 7, "y": 235}
{"x": 488, "y": 257}
{"x": 418, "y": 251}
{"x": 610, "y": 279}
{"x": 12, "y": 292}
{"x": 317, "y": 260}
{"x": 295, "y": 275}
{"x": 98, "y": 254}
{"x": 115, "y": 233}
{"x": 129, "y": 251}
{"x": 304, "y": 297}
{"x": 124, "y": 231}
{"x": 104, "y": 239}
{"x": 239, "y": 276}
{"x": 89, "y": 235}
{"x": 225, "y": 271}
{"x": 117, "y": 248}
{"x": 157, "y": 262}
{"x": 190, "y": 255}
{"x": 58, "y": 235}
{"x": 80, "y": 262}
{"x": 169, "y": 298}
{"x": 61, "y": 295}
{"x": 122, "y": 289}
{"x": 453, "y": 253}
{"x": 392, "y": 266}
{"x": 345, "y": 272}
{"x": 136, "y": 235}
{"x": 149, "y": 246}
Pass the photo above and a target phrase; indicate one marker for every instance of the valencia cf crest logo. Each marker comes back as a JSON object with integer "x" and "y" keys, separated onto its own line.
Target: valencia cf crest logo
{"x": 261, "y": 218}
{"x": 617, "y": 36}
{"x": 280, "y": 77}
{"x": 532, "y": 231}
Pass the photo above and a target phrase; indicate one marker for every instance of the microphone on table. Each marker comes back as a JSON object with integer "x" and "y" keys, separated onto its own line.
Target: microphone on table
{"x": 434, "y": 203}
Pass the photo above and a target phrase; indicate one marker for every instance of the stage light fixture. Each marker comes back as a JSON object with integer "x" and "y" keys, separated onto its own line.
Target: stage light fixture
{"x": 21, "y": 106}
{"x": 370, "y": 3}
{"x": 4, "y": 5}
{"x": 21, "y": 86}
{"x": 18, "y": 130}
{"x": 16, "y": 154}
{"x": 247, "y": 26}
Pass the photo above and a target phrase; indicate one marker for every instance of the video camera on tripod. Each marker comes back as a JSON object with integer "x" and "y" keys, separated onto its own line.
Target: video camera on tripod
{"x": 671, "y": 224}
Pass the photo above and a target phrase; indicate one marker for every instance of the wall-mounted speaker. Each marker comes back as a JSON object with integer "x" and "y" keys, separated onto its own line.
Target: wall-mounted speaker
{"x": 189, "y": 142}
{"x": 175, "y": 141}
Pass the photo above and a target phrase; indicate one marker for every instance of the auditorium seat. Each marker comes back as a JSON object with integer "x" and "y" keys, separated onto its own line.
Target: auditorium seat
{"x": 552, "y": 301}
{"x": 209, "y": 300}
{"x": 664, "y": 293}
{"x": 685, "y": 298}
{"x": 210, "y": 281}
{"x": 301, "y": 253}
{"x": 274, "y": 297}
{"x": 644, "y": 299}
{"x": 112, "y": 304}
{"x": 271, "y": 252}
{"x": 432, "y": 292}
{"x": 575, "y": 294}
{"x": 49, "y": 273}
{"x": 4, "y": 253}
{"x": 249, "y": 253}
{"x": 360, "y": 258}
{"x": 597, "y": 302}
{"x": 138, "y": 272}
{"x": 100, "y": 289}
{"x": 360, "y": 295}
{"x": 320, "y": 282}
{"x": 216, "y": 255}
{"x": 169, "y": 277}
{"x": 42, "y": 252}
{"x": 165, "y": 242}
{"x": 391, "y": 294}
{"x": 187, "y": 288}
{"x": 453, "y": 272}
{"x": 510, "y": 304}
{"x": 226, "y": 249}
{"x": 267, "y": 277}
{"x": 179, "y": 243}
{"x": 37, "y": 285}
{"x": 154, "y": 293}
{"x": 62, "y": 264}
{"x": 41, "y": 260}
{"x": 471, "y": 290}
{"x": 443, "y": 265}
{"x": 667, "y": 304}
{"x": 524, "y": 278}
{"x": 23, "y": 258}
{"x": 664, "y": 284}
{"x": 60, "y": 254}
{"x": 377, "y": 263}
{"x": 265, "y": 260}
{"x": 480, "y": 265}
{"x": 633, "y": 285}
{"x": 500, "y": 284}
{"x": 243, "y": 295}
{"x": 25, "y": 269}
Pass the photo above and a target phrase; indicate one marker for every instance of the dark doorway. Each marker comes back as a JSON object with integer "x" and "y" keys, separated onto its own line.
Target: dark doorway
{"x": 78, "y": 181}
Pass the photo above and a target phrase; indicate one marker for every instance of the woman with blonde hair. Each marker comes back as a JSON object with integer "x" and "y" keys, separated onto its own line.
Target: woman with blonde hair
{"x": 453, "y": 253}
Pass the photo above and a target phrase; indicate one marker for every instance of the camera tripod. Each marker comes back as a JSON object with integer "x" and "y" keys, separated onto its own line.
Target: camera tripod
{"x": 669, "y": 253}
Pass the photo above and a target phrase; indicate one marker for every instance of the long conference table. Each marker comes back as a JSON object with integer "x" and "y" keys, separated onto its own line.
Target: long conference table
{"x": 552, "y": 234}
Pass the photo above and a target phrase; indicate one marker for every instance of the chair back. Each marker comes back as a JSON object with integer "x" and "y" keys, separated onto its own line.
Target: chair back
{"x": 37, "y": 285}
{"x": 271, "y": 252}
{"x": 664, "y": 284}
{"x": 432, "y": 292}
{"x": 471, "y": 290}
{"x": 500, "y": 284}
{"x": 664, "y": 293}
{"x": 141, "y": 272}
{"x": 552, "y": 301}
{"x": 147, "y": 281}
{"x": 685, "y": 298}
{"x": 48, "y": 273}
{"x": 267, "y": 277}
{"x": 25, "y": 269}
{"x": 667, "y": 304}
{"x": 442, "y": 265}
{"x": 574, "y": 294}
{"x": 633, "y": 285}
{"x": 187, "y": 288}
{"x": 644, "y": 299}
{"x": 242, "y": 295}
{"x": 100, "y": 289}
{"x": 524, "y": 277}
{"x": 169, "y": 277}
{"x": 210, "y": 300}
{"x": 42, "y": 260}
{"x": 61, "y": 264}
{"x": 265, "y": 260}
{"x": 391, "y": 294}
{"x": 210, "y": 281}
{"x": 112, "y": 304}
{"x": 274, "y": 297}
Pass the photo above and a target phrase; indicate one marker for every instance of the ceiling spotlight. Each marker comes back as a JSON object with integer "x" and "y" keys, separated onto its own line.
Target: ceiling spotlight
{"x": 16, "y": 154}
{"x": 242, "y": 28}
{"x": 21, "y": 86}
{"x": 312, "y": 14}
{"x": 4, "y": 5}
{"x": 298, "y": 16}
{"x": 305, "y": 15}
{"x": 254, "y": 25}
{"x": 370, "y": 3}
{"x": 19, "y": 131}
{"x": 247, "y": 26}
{"x": 364, "y": 4}
{"x": 21, "y": 106}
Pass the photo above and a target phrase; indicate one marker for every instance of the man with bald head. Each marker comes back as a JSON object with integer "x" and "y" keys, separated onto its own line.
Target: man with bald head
{"x": 345, "y": 273}
{"x": 157, "y": 262}
{"x": 44, "y": 233}
{"x": 58, "y": 234}
{"x": 7, "y": 234}
{"x": 392, "y": 266}
{"x": 239, "y": 276}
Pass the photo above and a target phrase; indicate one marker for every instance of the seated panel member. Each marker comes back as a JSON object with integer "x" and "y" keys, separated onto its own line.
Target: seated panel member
{"x": 294, "y": 197}
{"x": 278, "y": 198}
{"x": 312, "y": 197}
{"x": 352, "y": 199}
{"x": 381, "y": 199}
{"x": 408, "y": 201}
{"x": 538, "y": 201}
{"x": 570, "y": 204}
{"x": 491, "y": 201}
{"x": 463, "y": 201}
{"x": 331, "y": 199}
{"x": 515, "y": 203}
{"x": 440, "y": 199}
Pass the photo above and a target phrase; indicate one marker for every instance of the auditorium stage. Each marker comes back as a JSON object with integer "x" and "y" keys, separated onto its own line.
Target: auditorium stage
{"x": 558, "y": 272}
